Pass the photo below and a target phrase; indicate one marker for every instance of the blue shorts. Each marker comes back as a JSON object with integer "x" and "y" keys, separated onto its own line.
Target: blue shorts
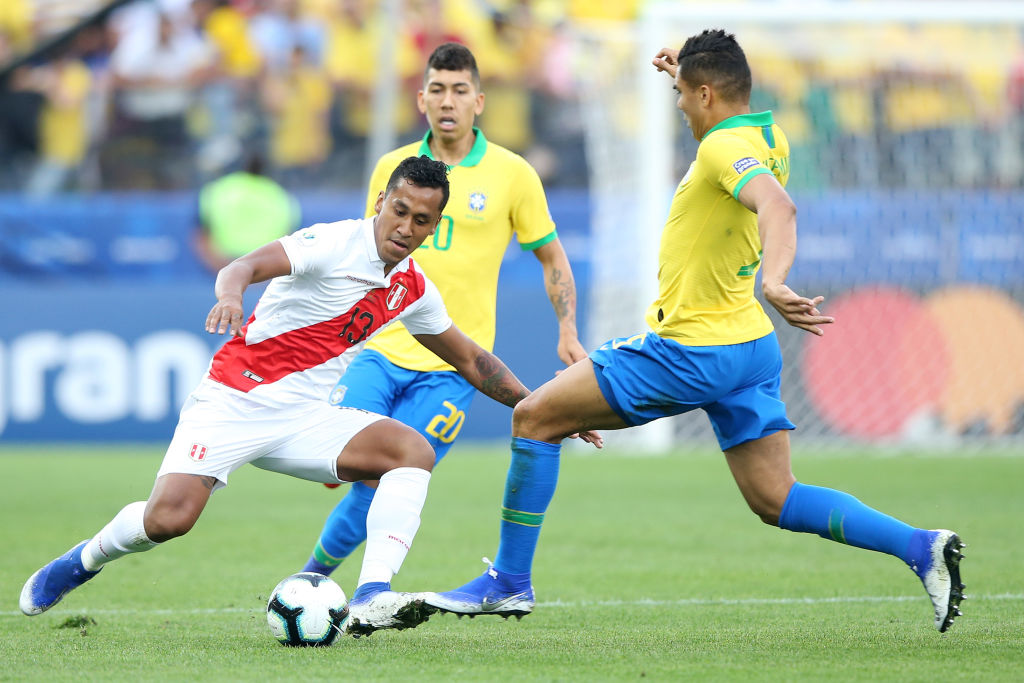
{"x": 645, "y": 377}
{"x": 432, "y": 403}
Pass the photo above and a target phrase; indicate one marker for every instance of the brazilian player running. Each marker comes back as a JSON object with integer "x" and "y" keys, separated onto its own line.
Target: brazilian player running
{"x": 495, "y": 195}
{"x": 711, "y": 346}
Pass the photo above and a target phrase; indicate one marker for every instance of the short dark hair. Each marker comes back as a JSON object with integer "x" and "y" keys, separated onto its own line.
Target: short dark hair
{"x": 453, "y": 57}
{"x": 713, "y": 57}
{"x": 421, "y": 171}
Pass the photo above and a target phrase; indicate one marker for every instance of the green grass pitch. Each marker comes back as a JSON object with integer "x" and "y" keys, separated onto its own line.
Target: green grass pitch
{"x": 648, "y": 568}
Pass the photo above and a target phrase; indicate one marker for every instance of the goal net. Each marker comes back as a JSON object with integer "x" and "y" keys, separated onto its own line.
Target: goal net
{"x": 906, "y": 124}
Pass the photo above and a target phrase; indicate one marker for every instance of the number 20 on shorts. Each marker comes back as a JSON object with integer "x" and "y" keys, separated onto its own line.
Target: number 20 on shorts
{"x": 446, "y": 427}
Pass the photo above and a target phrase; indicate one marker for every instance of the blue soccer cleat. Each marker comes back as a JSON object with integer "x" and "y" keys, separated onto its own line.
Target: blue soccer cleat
{"x": 375, "y": 606}
{"x": 493, "y": 592}
{"x": 49, "y": 585}
{"x": 940, "y": 574}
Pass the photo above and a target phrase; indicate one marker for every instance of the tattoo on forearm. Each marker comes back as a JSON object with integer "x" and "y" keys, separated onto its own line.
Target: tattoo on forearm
{"x": 562, "y": 292}
{"x": 497, "y": 381}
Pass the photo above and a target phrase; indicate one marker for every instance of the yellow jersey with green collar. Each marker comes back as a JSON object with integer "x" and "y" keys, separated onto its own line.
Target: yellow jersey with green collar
{"x": 710, "y": 247}
{"x": 494, "y": 194}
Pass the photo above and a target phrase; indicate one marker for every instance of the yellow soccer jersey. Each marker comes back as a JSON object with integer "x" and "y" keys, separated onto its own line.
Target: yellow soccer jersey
{"x": 710, "y": 247}
{"x": 494, "y": 194}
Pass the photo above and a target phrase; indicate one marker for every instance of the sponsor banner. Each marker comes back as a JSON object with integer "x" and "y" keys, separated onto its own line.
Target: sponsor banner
{"x": 108, "y": 363}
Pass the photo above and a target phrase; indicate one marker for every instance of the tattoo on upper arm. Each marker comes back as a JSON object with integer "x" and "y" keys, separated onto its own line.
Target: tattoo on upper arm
{"x": 497, "y": 381}
{"x": 208, "y": 482}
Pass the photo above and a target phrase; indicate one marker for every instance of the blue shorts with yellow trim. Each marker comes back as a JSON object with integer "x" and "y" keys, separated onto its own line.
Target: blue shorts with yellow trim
{"x": 432, "y": 403}
{"x": 645, "y": 377}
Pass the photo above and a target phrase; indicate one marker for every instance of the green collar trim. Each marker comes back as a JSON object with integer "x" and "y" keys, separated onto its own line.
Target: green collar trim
{"x": 476, "y": 153}
{"x": 758, "y": 119}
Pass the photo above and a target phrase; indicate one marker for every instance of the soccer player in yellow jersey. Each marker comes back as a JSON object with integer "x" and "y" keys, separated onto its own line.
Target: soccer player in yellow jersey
{"x": 495, "y": 195}
{"x": 711, "y": 346}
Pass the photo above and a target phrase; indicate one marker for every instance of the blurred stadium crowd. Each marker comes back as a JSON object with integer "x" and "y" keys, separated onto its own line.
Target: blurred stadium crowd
{"x": 163, "y": 94}
{"x": 166, "y": 94}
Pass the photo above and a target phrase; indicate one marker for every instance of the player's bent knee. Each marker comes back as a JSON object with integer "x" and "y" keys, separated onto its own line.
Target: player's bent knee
{"x": 527, "y": 419}
{"x": 162, "y": 522}
{"x": 768, "y": 513}
{"x": 411, "y": 449}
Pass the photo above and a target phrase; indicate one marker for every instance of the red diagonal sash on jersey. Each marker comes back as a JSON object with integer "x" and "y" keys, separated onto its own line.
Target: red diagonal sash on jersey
{"x": 243, "y": 366}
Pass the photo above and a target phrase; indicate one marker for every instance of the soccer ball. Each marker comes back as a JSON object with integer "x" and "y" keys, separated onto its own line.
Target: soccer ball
{"x": 307, "y": 609}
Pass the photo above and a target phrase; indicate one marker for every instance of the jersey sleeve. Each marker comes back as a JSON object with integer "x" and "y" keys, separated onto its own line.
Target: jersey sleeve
{"x": 316, "y": 249}
{"x": 531, "y": 218}
{"x": 729, "y": 162}
{"x": 429, "y": 315}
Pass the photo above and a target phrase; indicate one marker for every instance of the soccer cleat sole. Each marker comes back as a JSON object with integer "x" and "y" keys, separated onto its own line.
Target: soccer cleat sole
{"x": 518, "y": 608}
{"x": 407, "y": 616}
{"x": 952, "y": 555}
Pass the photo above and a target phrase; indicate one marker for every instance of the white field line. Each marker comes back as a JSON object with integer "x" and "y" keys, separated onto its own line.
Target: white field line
{"x": 643, "y": 602}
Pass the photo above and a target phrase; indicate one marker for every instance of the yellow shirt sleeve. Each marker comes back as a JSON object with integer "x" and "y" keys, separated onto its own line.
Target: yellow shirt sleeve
{"x": 531, "y": 218}
{"x": 729, "y": 161}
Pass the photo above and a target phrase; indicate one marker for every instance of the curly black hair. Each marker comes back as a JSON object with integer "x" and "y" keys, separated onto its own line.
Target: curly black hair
{"x": 713, "y": 57}
{"x": 453, "y": 57}
{"x": 421, "y": 171}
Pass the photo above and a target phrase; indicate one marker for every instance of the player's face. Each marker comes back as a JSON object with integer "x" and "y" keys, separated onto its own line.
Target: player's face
{"x": 405, "y": 217}
{"x": 690, "y": 103}
{"x": 451, "y": 103}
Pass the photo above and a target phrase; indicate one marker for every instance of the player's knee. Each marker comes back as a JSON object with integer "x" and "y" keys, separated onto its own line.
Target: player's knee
{"x": 409, "y": 448}
{"x": 527, "y": 419}
{"x": 164, "y": 522}
{"x": 768, "y": 512}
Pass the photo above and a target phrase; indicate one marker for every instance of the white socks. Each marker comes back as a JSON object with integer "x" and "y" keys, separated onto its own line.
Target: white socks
{"x": 124, "y": 534}
{"x": 392, "y": 521}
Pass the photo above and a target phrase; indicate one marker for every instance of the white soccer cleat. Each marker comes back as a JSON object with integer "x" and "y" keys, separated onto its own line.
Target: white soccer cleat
{"x": 942, "y": 579}
{"x": 386, "y": 609}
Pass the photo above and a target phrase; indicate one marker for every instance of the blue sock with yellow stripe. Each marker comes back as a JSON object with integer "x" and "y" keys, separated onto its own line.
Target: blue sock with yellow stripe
{"x": 840, "y": 517}
{"x": 532, "y": 477}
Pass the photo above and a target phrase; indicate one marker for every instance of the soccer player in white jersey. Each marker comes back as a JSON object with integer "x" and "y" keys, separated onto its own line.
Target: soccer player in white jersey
{"x": 495, "y": 196}
{"x": 262, "y": 400}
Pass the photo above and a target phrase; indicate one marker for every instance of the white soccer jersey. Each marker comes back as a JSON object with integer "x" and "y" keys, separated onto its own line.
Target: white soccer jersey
{"x": 308, "y": 326}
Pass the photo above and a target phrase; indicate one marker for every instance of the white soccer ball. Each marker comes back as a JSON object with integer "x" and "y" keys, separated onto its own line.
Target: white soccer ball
{"x": 307, "y": 609}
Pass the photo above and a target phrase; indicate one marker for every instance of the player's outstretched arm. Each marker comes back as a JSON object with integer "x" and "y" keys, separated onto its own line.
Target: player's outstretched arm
{"x": 561, "y": 289}
{"x": 480, "y": 367}
{"x": 261, "y": 264}
{"x": 776, "y": 223}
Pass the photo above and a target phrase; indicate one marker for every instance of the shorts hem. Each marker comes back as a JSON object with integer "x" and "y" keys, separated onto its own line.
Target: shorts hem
{"x": 609, "y": 395}
{"x": 767, "y": 431}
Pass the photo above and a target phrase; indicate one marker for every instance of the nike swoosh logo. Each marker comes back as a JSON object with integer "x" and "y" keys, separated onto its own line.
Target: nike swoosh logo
{"x": 489, "y": 605}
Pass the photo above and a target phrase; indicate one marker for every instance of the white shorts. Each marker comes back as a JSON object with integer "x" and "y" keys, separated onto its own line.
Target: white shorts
{"x": 220, "y": 430}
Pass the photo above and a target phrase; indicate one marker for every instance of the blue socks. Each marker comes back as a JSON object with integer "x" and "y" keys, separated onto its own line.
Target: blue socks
{"x": 532, "y": 477}
{"x": 343, "y": 531}
{"x": 840, "y": 517}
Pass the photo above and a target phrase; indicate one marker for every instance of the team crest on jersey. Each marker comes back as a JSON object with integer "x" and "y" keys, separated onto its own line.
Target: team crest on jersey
{"x": 745, "y": 163}
{"x": 477, "y": 201}
{"x": 396, "y": 295}
{"x": 198, "y": 452}
{"x": 337, "y": 395}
